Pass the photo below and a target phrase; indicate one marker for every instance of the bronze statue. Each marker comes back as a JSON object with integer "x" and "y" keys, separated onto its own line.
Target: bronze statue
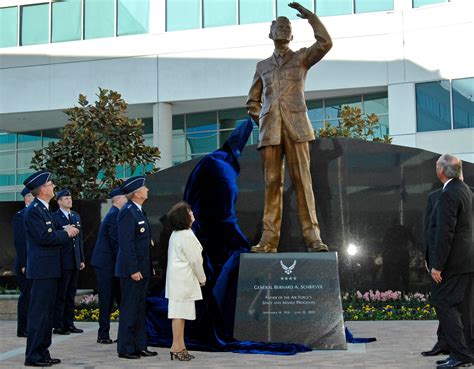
{"x": 276, "y": 103}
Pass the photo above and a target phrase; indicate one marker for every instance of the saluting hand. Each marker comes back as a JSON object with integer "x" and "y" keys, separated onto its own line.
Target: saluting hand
{"x": 303, "y": 12}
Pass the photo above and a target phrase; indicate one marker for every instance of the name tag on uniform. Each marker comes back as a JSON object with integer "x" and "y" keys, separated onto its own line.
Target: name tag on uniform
{"x": 48, "y": 222}
{"x": 141, "y": 222}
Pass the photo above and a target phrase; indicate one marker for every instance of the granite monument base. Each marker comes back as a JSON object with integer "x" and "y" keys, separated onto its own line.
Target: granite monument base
{"x": 290, "y": 298}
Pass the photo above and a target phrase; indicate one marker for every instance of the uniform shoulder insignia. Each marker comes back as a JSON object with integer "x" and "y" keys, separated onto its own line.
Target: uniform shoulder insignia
{"x": 35, "y": 205}
{"x": 129, "y": 206}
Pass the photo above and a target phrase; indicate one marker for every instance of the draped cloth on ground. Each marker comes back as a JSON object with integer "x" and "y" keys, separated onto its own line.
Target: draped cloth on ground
{"x": 211, "y": 191}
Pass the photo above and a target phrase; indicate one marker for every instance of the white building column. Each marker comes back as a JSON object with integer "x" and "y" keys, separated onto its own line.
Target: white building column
{"x": 402, "y": 113}
{"x": 163, "y": 133}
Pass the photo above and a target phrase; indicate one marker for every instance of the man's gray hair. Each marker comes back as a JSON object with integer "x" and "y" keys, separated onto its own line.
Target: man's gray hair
{"x": 36, "y": 191}
{"x": 451, "y": 166}
{"x": 129, "y": 196}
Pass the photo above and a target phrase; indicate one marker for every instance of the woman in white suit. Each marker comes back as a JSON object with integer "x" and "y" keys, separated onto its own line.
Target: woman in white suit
{"x": 184, "y": 276}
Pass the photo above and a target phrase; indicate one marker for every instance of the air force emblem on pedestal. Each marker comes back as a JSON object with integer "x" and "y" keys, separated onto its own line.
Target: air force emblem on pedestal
{"x": 288, "y": 270}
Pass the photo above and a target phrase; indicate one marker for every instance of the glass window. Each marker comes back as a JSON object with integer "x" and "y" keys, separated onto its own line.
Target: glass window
{"x": 316, "y": 113}
{"x": 7, "y": 196}
{"x": 132, "y": 17}
{"x": 228, "y": 120}
{"x": 219, "y": 13}
{"x": 202, "y": 142}
{"x": 201, "y": 122}
{"x": 333, "y": 7}
{"x": 463, "y": 102}
{"x": 8, "y": 26}
{"x": 334, "y": 106}
{"x": 418, "y": 3}
{"x": 30, "y": 140}
{"x": 183, "y": 14}
{"x": 433, "y": 111}
{"x": 66, "y": 22}
{"x": 179, "y": 145}
{"x": 252, "y": 11}
{"x": 283, "y": 10}
{"x": 383, "y": 122}
{"x": 7, "y": 141}
{"x": 7, "y": 160}
{"x": 34, "y": 24}
{"x": 178, "y": 124}
{"x": 366, "y": 6}
{"x": 22, "y": 174}
{"x": 98, "y": 18}
{"x": 376, "y": 103}
{"x": 24, "y": 158}
{"x": 51, "y": 135}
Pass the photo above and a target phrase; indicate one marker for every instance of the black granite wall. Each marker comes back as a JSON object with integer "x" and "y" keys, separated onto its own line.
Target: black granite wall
{"x": 369, "y": 195}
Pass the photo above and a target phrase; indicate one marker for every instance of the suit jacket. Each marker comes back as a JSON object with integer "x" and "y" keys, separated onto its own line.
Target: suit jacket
{"x": 72, "y": 251}
{"x": 19, "y": 240}
{"x": 276, "y": 96}
{"x": 44, "y": 240}
{"x": 453, "y": 248}
{"x": 184, "y": 271}
{"x": 429, "y": 226}
{"x": 106, "y": 247}
{"x": 134, "y": 240}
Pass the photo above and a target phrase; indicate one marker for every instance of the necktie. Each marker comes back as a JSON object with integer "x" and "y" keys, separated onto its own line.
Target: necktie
{"x": 69, "y": 218}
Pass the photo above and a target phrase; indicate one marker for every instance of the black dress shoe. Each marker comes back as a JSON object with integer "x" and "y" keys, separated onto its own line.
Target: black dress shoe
{"x": 21, "y": 335}
{"x": 435, "y": 351}
{"x": 129, "y": 356}
{"x": 61, "y": 331}
{"x": 75, "y": 330}
{"x": 147, "y": 353}
{"x": 453, "y": 363}
{"x": 38, "y": 363}
{"x": 53, "y": 361}
{"x": 442, "y": 361}
{"x": 104, "y": 341}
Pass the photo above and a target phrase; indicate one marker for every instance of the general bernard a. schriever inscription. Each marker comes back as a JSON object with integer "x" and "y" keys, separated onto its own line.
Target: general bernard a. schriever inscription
{"x": 290, "y": 297}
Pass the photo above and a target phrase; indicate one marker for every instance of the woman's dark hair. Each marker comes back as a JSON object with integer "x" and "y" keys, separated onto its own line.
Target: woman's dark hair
{"x": 179, "y": 217}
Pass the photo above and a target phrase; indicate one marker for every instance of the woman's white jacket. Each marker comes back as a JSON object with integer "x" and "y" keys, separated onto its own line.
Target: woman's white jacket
{"x": 185, "y": 270}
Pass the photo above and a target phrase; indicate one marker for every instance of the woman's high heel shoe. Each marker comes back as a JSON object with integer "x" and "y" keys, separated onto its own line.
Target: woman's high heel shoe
{"x": 182, "y": 355}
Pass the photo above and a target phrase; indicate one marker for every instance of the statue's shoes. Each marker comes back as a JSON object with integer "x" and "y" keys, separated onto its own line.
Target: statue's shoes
{"x": 318, "y": 247}
{"x": 263, "y": 248}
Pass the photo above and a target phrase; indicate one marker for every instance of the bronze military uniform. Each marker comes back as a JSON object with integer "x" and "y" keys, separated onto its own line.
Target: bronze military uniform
{"x": 276, "y": 100}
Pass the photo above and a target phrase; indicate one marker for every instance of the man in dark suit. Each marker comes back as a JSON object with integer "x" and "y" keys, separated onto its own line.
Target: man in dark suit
{"x": 441, "y": 346}
{"x": 19, "y": 267}
{"x": 43, "y": 267}
{"x": 103, "y": 260}
{"x": 133, "y": 267}
{"x": 72, "y": 261}
{"x": 451, "y": 259}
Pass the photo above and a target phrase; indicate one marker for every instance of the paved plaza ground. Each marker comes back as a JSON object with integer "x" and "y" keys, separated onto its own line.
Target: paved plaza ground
{"x": 398, "y": 345}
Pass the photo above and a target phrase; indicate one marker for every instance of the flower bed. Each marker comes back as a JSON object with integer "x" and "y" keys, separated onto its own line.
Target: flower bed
{"x": 388, "y": 305}
{"x": 87, "y": 310}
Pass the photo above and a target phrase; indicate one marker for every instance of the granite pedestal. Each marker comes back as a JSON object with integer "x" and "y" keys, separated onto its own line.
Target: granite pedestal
{"x": 291, "y": 298}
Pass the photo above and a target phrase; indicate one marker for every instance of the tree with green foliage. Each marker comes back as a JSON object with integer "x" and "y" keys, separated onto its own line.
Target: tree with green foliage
{"x": 98, "y": 138}
{"x": 354, "y": 124}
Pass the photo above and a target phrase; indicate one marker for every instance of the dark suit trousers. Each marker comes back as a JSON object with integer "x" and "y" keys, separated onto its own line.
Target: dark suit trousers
{"x": 131, "y": 332}
{"x": 40, "y": 318}
{"x": 23, "y": 301}
{"x": 452, "y": 300}
{"x": 64, "y": 311}
{"x": 109, "y": 291}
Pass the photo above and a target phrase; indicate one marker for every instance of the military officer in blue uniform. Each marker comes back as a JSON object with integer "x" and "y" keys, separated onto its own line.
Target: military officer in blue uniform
{"x": 72, "y": 261}
{"x": 19, "y": 267}
{"x": 43, "y": 267}
{"x": 133, "y": 267}
{"x": 103, "y": 260}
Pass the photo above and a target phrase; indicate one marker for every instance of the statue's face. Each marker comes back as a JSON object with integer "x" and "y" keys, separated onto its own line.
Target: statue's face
{"x": 281, "y": 31}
